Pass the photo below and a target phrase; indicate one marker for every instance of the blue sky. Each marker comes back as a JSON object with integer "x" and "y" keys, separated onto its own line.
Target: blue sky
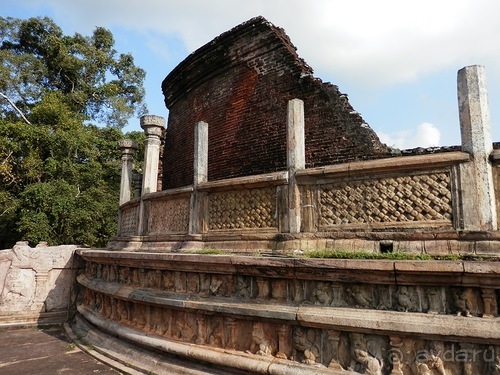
{"x": 396, "y": 60}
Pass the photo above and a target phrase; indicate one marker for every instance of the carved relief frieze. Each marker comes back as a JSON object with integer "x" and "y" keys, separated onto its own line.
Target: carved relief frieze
{"x": 243, "y": 209}
{"x": 358, "y": 352}
{"x": 170, "y": 215}
{"x": 454, "y": 300}
{"x": 128, "y": 221}
{"x": 425, "y": 197}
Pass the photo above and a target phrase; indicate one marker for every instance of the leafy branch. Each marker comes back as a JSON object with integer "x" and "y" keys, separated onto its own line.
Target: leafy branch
{"x": 15, "y": 107}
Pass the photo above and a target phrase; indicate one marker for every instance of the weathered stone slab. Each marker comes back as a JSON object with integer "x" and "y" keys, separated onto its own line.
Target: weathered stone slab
{"x": 35, "y": 281}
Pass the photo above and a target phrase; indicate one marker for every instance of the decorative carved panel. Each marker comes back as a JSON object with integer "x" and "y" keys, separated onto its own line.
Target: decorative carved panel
{"x": 128, "y": 221}
{"x": 416, "y": 198}
{"x": 243, "y": 209}
{"x": 169, "y": 216}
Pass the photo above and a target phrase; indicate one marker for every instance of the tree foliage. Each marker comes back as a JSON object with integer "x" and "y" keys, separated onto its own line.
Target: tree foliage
{"x": 59, "y": 174}
{"x": 95, "y": 80}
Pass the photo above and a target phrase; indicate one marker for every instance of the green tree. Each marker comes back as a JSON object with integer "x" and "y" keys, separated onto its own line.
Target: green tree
{"x": 59, "y": 174}
{"x": 94, "y": 79}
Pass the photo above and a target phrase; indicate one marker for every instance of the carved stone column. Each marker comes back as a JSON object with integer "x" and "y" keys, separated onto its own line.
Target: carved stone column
{"x": 285, "y": 340}
{"x": 490, "y": 303}
{"x": 41, "y": 281}
{"x": 334, "y": 339}
{"x": 153, "y": 127}
{"x": 201, "y": 330}
{"x": 128, "y": 148}
{"x": 137, "y": 183}
{"x": 231, "y": 333}
{"x": 396, "y": 355}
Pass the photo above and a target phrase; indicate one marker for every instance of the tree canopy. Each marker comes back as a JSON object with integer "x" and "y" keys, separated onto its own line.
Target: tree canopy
{"x": 59, "y": 173}
{"x": 94, "y": 79}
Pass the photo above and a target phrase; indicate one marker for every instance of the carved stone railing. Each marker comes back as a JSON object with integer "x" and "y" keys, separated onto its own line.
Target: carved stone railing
{"x": 411, "y": 203}
{"x": 441, "y": 201}
{"x": 167, "y": 212}
{"x": 407, "y": 192}
{"x": 322, "y": 316}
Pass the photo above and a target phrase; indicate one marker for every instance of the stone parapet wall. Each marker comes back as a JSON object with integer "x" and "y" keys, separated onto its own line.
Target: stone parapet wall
{"x": 128, "y": 220}
{"x": 370, "y": 317}
{"x": 411, "y": 203}
{"x": 411, "y": 192}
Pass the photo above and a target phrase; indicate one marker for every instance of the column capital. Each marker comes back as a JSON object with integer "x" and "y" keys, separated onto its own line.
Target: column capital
{"x": 127, "y": 146}
{"x": 152, "y": 125}
{"x": 127, "y": 143}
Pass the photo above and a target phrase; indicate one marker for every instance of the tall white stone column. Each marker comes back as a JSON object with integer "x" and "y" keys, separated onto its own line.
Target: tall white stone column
{"x": 478, "y": 195}
{"x": 153, "y": 128}
{"x": 200, "y": 167}
{"x": 296, "y": 159}
{"x": 128, "y": 148}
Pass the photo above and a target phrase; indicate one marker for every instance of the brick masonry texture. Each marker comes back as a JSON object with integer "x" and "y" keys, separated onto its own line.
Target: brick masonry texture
{"x": 240, "y": 84}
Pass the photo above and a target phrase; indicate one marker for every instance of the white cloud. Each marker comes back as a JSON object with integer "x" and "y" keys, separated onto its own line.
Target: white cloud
{"x": 424, "y": 135}
{"x": 366, "y": 47}
{"x": 365, "y": 41}
{"x": 427, "y": 135}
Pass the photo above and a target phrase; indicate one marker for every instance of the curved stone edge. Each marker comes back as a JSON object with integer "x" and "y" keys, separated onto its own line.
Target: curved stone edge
{"x": 123, "y": 356}
{"x": 449, "y": 327}
{"x": 409, "y": 272}
{"x": 440, "y": 327}
{"x": 82, "y": 329}
{"x": 218, "y": 357}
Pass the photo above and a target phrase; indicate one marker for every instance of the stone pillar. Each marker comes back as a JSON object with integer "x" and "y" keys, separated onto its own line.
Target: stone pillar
{"x": 200, "y": 167}
{"x": 200, "y": 153}
{"x": 137, "y": 183}
{"x": 128, "y": 148}
{"x": 153, "y": 128}
{"x": 478, "y": 196}
{"x": 296, "y": 159}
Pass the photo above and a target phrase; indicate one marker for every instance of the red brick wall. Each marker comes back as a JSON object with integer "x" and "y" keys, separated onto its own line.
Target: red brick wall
{"x": 240, "y": 84}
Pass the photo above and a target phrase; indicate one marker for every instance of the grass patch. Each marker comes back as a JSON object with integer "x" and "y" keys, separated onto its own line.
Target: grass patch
{"x": 349, "y": 254}
{"x": 344, "y": 254}
{"x": 207, "y": 252}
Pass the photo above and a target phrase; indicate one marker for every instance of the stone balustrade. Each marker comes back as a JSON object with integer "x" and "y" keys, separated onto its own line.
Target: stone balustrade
{"x": 414, "y": 203}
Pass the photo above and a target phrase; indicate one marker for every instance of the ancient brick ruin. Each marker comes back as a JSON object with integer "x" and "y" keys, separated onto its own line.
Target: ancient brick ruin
{"x": 240, "y": 84}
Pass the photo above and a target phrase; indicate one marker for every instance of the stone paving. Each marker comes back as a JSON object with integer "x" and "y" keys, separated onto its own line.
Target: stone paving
{"x": 45, "y": 350}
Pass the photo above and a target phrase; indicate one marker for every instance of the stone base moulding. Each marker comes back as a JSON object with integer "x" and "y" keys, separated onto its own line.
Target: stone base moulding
{"x": 292, "y": 315}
